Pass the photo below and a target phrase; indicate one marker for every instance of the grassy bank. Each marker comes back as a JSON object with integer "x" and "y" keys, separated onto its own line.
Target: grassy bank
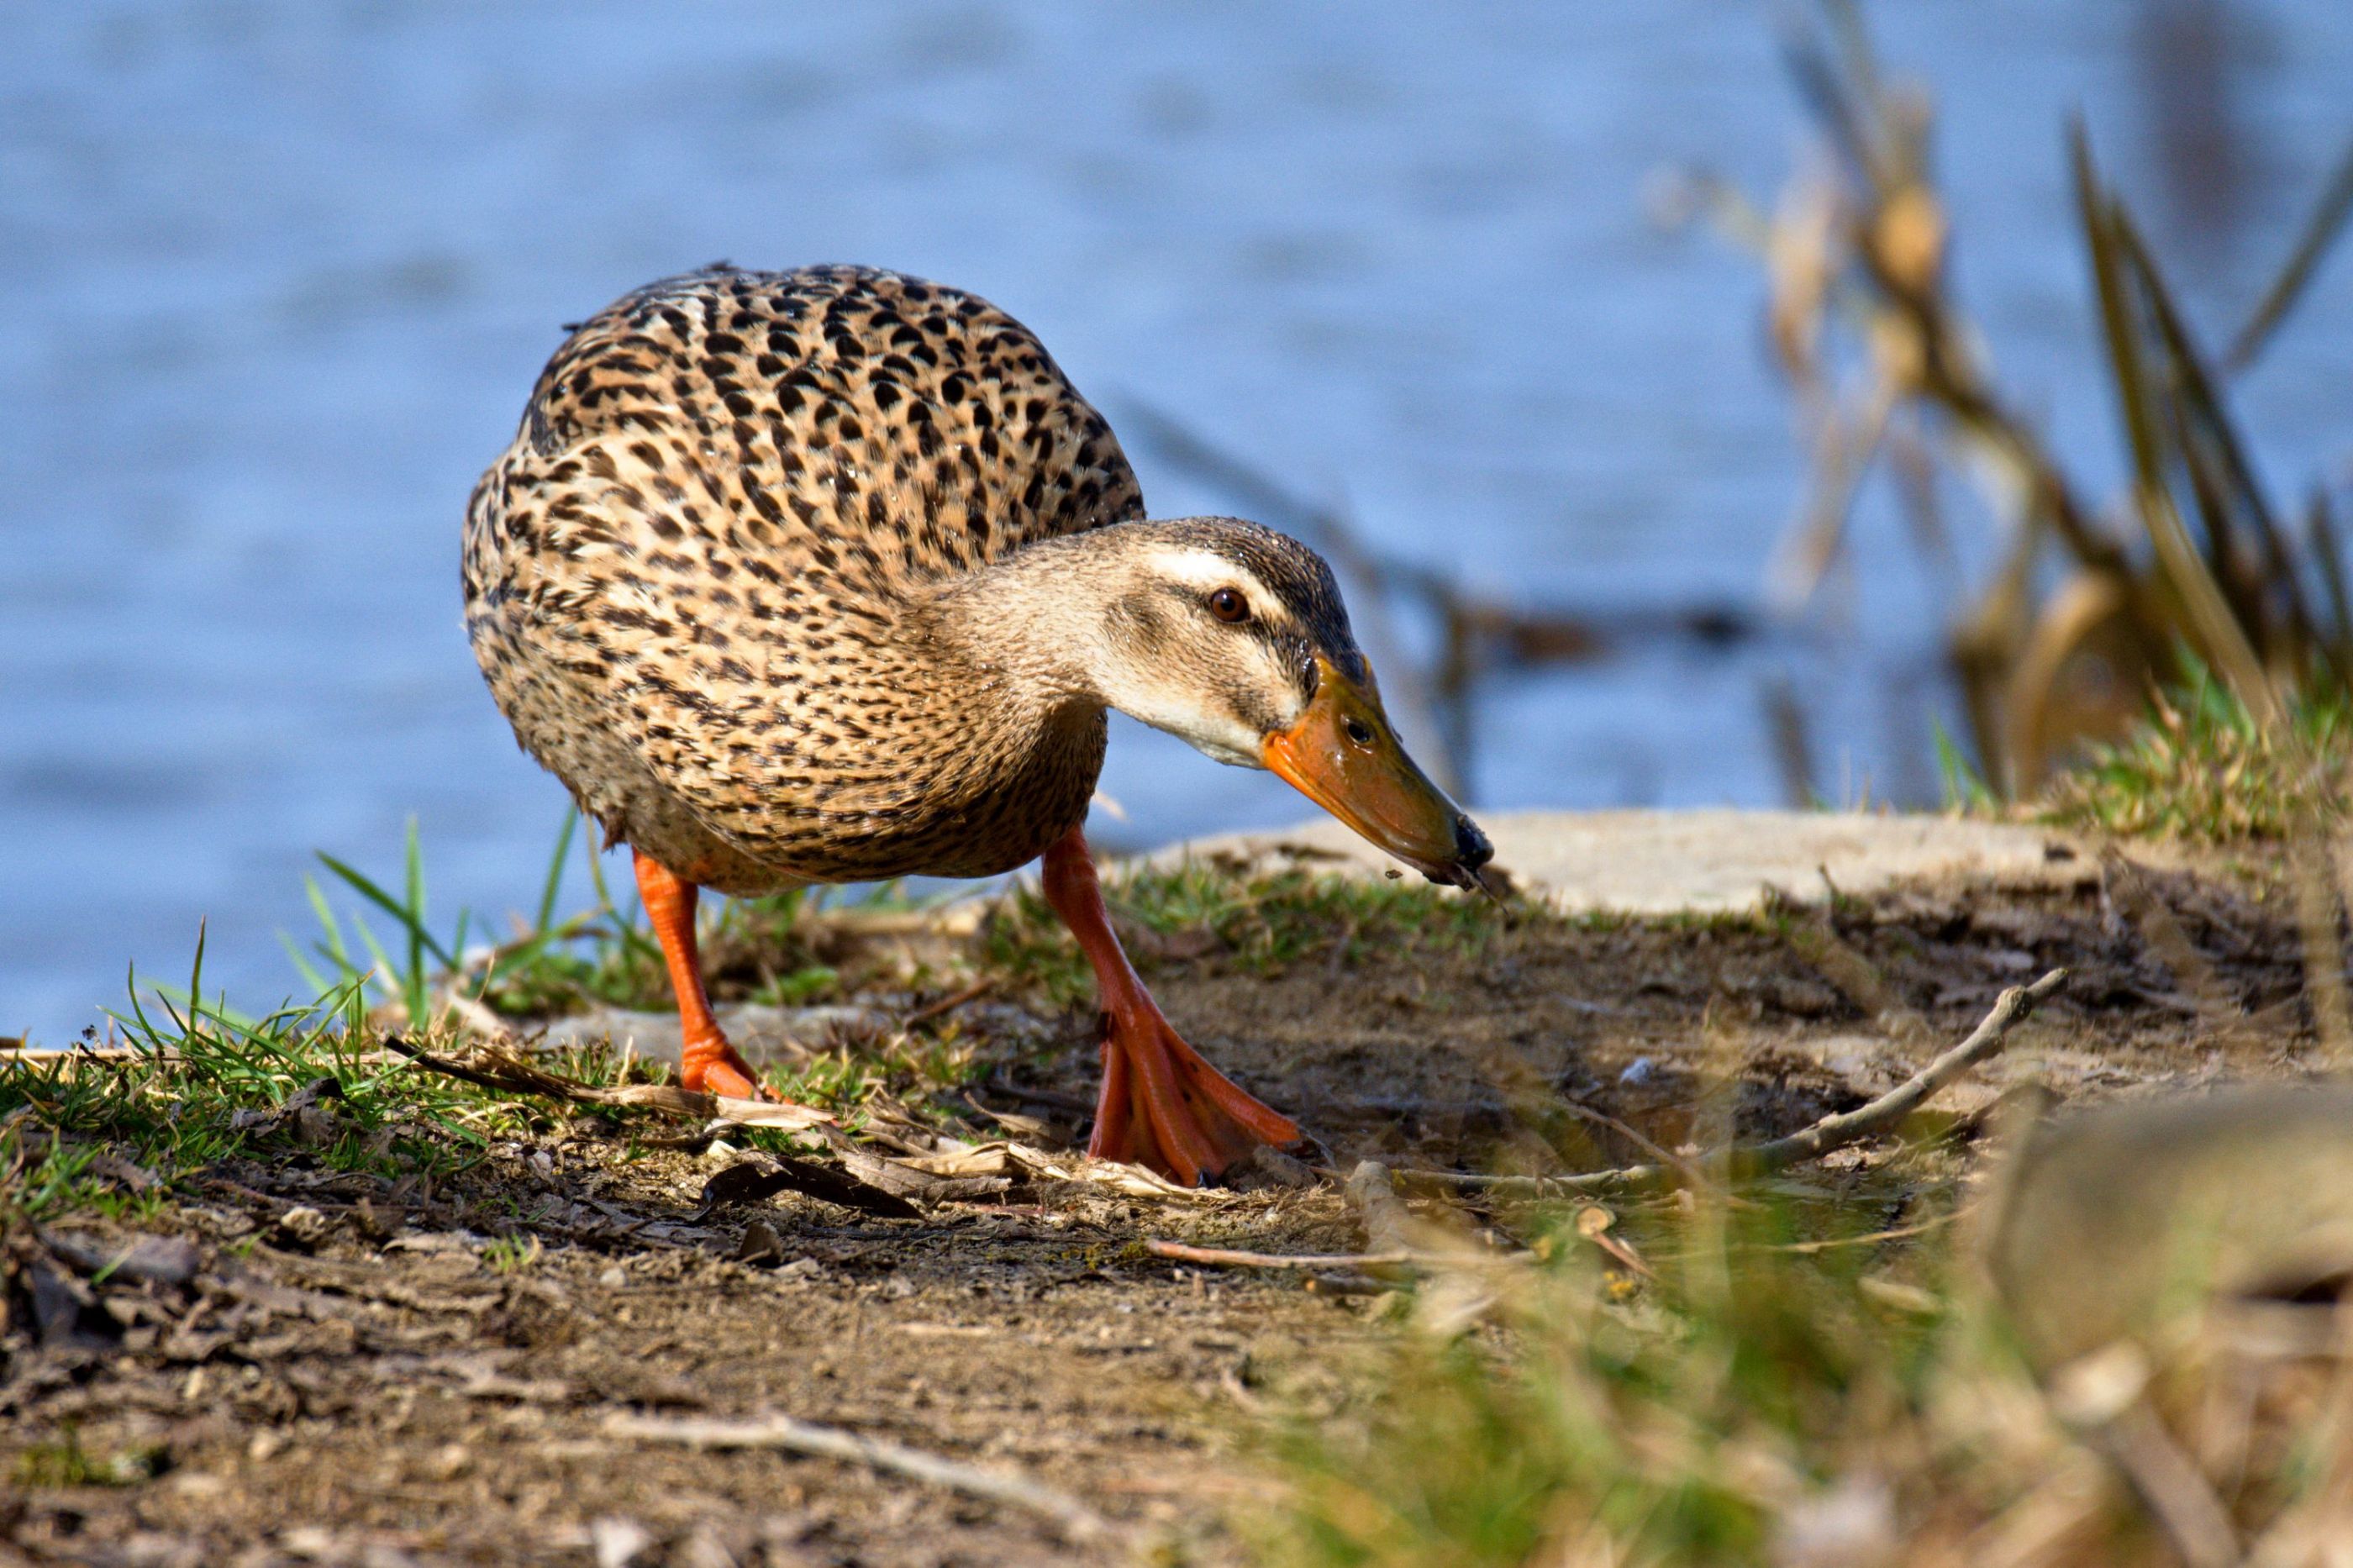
{"x": 1793, "y": 1368}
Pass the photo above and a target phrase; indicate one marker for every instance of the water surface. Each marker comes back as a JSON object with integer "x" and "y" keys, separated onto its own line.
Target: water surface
{"x": 279, "y": 273}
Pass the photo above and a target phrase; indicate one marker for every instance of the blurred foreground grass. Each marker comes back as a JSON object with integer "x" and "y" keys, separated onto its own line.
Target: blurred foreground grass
{"x": 1791, "y": 1389}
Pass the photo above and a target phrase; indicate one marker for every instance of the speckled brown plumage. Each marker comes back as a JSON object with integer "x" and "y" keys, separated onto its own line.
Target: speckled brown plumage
{"x": 806, "y": 576}
{"x": 702, "y": 580}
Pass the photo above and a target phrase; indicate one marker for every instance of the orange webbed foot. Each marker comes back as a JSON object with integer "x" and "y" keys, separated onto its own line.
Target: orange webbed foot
{"x": 1164, "y": 1107}
{"x": 714, "y": 1067}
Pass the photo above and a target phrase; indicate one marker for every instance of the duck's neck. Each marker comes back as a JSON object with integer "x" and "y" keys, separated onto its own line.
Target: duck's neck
{"x": 1041, "y": 620}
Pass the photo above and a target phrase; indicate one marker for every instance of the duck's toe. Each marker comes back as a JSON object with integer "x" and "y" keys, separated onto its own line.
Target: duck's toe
{"x": 1164, "y": 1107}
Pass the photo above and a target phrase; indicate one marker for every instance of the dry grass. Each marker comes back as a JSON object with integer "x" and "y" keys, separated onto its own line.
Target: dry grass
{"x": 2201, "y": 767}
{"x": 1790, "y": 1389}
{"x": 2093, "y": 600}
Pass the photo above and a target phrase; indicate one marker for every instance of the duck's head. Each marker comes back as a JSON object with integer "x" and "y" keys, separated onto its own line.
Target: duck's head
{"x": 1233, "y": 638}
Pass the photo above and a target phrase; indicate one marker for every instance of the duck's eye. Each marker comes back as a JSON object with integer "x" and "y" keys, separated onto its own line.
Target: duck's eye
{"x": 1229, "y": 605}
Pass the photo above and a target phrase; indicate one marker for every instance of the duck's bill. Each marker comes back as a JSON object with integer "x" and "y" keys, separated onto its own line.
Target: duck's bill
{"x": 1343, "y": 755}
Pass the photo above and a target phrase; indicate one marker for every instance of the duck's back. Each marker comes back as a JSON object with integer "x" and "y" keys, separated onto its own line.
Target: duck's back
{"x": 682, "y": 577}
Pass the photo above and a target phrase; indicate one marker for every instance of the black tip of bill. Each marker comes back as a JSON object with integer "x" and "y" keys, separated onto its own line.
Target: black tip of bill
{"x": 1469, "y": 869}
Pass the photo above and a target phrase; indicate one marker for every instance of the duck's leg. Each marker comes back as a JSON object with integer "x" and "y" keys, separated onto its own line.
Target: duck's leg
{"x": 707, "y": 1063}
{"x": 1161, "y": 1105}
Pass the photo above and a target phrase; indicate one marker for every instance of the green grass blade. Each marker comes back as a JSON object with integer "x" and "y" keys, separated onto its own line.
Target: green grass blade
{"x": 597, "y": 879}
{"x": 382, "y": 969}
{"x": 375, "y": 895}
{"x": 334, "y": 947}
{"x": 415, "y": 975}
{"x": 196, "y": 970}
{"x": 254, "y": 1032}
{"x": 1964, "y": 790}
{"x": 356, "y": 1010}
{"x": 303, "y": 966}
{"x": 138, "y": 1020}
{"x": 163, "y": 994}
{"x": 220, "y": 1012}
{"x": 625, "y": 922}
{"x": 547, "y": 892}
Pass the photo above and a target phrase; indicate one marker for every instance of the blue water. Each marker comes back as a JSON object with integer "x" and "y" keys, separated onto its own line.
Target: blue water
{"x": 278, "y": 274}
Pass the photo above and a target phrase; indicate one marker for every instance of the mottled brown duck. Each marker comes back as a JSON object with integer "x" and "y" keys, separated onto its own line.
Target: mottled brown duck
{"x": 831, "y": 575}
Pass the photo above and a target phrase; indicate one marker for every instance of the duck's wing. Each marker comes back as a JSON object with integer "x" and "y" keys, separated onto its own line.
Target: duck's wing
{"x": 723, "y": 487}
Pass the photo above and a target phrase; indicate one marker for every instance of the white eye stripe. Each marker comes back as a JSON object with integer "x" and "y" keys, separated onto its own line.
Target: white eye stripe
{"x": 1203, "y": 568}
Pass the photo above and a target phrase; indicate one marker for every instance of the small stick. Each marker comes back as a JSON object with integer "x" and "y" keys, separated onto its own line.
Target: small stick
{"x": 1075, "y": 1518}
{"x": 478, "y": 1015}
{"x": 1381, "y": 1265}
{"x": 1226, "y": 1257}
{"x": 2011, "y": 1008}
{"x": 1833, "y": 1243}
{"x": 972, "y": 993}
{"x": 512, "y": 1075}
{"x": 2172, "y": 1489}
{"x": 1856, "y": 978}
{"x": 1874, "y": 1238}
{"x": 444, "y": 1065}
{"x": 1691, "y": 1174}
{"x": 1581, "y": 1184}
{"x": 1388, "y": 1230}
{"x": 1051, "y": 1099}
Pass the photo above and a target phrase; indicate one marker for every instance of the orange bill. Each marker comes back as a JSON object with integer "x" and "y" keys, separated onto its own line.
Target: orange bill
{"x": 1342, "y": 754}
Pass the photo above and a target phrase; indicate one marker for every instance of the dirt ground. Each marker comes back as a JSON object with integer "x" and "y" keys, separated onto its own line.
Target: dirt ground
{"x": 417, "y": 1375}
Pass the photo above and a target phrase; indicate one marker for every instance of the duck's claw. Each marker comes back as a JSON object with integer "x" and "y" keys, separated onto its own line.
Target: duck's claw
{"x": 707, "y": 1064}
{"x": 714, "y": 1067}
{"x": 1163, "y": 1106}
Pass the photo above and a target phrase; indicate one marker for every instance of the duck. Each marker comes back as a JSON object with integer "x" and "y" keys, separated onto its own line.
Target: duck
{"x": 831, "y": 575}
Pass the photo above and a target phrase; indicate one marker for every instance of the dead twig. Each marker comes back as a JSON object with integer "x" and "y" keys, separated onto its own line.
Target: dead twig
{"x": 1593, "y": 1222}
{"x": 1073, "y": 1518}
{"x": 1692, "y": 1176}
{"x": 2130, "y": 889}
{"x": 945, "y": 1004}
{"x": 1830, "y": 1243}
{"x": 1388, "y": 1227}
{"x": 2011, "y": 1008}
{"x": 1371, "y": 1271}
{"x": 1524, "y": 1187}
{"x": 488, "y": 1068}
{"x": 1816, "y": 939}
{"x": 477, "y": 1015}
{"x": 1227, "y": 1257}
{"x": 758, "y": 1176}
